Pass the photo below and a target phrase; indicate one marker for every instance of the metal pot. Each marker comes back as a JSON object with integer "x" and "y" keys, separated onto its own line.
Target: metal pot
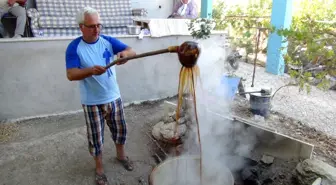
{"x": 184, "y": 170}
{"x": 260, "y": 104}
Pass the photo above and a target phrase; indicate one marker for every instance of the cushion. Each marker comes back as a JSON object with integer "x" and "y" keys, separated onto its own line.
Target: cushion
{"x": 51, "y": 7}
{"x": 69, "y": 8}
{"x": 60, "y": 32}
{"x": 70, "y": 22}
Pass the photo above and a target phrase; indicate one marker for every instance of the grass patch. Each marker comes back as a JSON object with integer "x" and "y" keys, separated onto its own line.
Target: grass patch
{"x": 7, "y": 131}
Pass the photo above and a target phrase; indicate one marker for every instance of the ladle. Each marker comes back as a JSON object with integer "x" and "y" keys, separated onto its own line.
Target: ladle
{"x": 187, "y": 52}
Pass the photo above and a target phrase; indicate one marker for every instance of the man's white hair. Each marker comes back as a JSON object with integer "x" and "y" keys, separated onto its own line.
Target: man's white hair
{"x": 80, "y": 17}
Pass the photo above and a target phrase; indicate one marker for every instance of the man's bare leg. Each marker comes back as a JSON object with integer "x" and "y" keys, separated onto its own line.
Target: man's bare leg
{"x": 101, "y": 178}
{"x": 120, "y": 152}
{"x": 99, "y": 164}
{"x": 121, "y": 156}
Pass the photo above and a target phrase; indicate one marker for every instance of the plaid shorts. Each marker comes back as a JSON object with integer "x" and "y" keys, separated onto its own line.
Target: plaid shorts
{"x": 96, "y": 115}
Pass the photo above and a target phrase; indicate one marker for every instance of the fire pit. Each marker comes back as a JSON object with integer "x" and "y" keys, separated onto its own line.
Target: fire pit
{"x": 251, "y": 154}
{"x": 184, "y": 170}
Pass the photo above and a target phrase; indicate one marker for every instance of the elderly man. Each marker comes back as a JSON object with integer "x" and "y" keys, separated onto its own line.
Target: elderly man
{"x": 185, "y": 9}
{"x": 15, "y": 7}
{"x": 86, "y": 57}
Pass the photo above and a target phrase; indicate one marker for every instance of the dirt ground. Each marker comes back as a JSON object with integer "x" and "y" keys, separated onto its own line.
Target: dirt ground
{"x": 54, "y": 150}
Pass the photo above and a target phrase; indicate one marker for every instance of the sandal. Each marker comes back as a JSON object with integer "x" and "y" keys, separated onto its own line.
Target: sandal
{"x": 101, "y": 179}
{"x": 126, "y": 163}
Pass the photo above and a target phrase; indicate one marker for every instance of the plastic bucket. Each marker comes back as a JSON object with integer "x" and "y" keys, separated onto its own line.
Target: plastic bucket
{"x": 184, "y": 170}
{"x": 260, "y": 104}
{"x": 229, "y": 86}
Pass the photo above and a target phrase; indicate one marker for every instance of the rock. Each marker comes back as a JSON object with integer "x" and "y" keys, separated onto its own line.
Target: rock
{"x": 156, "y": 130}
{"x": 168, "y": 130}
{"x": 318, "y": 181}
{"x": 268, "y": 181}
{"x": 142, "y": 181}
{"x": 250, "y": 176}
{"x": 168, "y": 119}
{"x": 282, "y": 176}
{"x": 188, "y": 123}
{"x": 310, "y": 170}
{"x": 165, "y": 131}
{"x": 266, "y": 159}
{"x": 181, "y": 121}
{"x": 165, "y": 118}
{"x": 182, "y": 114}
{"x": 259, "y": 119}
{"x": 171, "y": 119}
{"x": 187, "y": 117}
{"x": 172, "y": 114}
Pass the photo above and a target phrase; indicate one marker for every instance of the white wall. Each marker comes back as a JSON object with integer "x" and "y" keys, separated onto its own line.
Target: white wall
{"x": 155, "y": 8}
{"x": 33, "y": 81}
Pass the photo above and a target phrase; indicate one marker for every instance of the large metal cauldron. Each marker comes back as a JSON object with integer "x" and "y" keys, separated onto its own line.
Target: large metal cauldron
{"x": 184, "y": 170}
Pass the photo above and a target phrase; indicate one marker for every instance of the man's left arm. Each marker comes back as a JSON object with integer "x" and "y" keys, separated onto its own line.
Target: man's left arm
{"x": 121, "y": 49}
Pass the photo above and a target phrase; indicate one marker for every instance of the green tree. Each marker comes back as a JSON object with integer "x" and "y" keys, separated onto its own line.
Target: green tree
{"x": 243, "y": 23}
{"x": 311, "y": 46}
{"x": 311, "y": 37}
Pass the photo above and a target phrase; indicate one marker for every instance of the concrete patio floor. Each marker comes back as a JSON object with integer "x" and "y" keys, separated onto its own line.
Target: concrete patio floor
{"x": 54, "y": 150}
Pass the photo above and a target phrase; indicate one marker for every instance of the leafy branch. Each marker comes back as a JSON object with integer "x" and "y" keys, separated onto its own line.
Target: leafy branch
{"x": 311, "y": 50}
{"x": 201, "y": 28}
{"x": 244, "y": 24}
{"x": 310, "y": 53}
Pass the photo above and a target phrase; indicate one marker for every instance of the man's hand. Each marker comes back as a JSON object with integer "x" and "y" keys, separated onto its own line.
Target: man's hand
{"x": 120, "y": 55}
{"x": 126, "y": 53}
{"x": 98, "y": 70}
{"x": 11, "y": 2}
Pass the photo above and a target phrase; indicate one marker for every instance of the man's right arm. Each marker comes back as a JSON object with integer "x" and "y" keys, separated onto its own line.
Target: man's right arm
{"x": 73, "y": 70}
{"x": 80, "y": 74}
{"x": 72, "y": 62}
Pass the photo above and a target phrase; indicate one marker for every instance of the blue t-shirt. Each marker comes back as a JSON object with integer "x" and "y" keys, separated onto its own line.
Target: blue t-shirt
{"x": 97, "y": 89}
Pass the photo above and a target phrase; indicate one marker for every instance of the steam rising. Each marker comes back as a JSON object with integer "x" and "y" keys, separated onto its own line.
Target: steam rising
{"x": 221, "y": 139}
